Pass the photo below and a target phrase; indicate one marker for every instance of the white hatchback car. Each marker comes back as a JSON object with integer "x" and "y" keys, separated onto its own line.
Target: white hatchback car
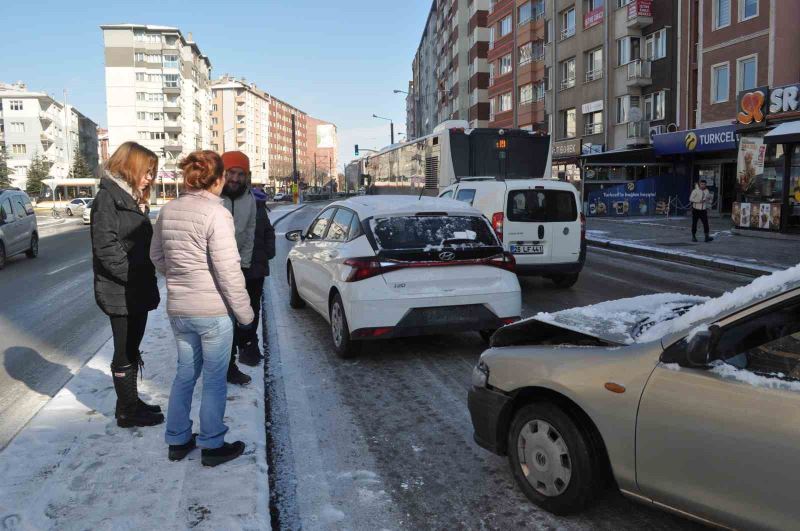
{"x": 393, "y": 266}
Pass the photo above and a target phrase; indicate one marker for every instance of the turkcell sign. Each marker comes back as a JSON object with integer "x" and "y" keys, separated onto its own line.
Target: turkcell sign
{"x": 696, "y": 140}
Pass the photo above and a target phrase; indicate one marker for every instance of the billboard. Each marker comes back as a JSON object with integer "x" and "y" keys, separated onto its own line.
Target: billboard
{"x": 326, "y": 136}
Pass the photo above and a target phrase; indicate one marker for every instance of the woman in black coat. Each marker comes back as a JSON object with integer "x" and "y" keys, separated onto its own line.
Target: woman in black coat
{"x": 125, "y": 285}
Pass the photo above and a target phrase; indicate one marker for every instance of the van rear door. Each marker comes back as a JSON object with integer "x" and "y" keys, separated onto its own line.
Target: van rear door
{"x": 542, "y": 225}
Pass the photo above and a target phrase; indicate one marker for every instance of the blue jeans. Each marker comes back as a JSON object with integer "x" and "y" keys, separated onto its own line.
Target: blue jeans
{"x": 204, "y": 346}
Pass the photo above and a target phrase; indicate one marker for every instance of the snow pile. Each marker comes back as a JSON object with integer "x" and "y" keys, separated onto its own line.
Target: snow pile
{"x": 618, "y": 320}
{"x": 770, "y": 381}
{"x": 760, "y": 288}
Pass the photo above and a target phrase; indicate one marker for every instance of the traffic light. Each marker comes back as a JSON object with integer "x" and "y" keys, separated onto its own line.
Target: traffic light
{"x": 356, "y": 150}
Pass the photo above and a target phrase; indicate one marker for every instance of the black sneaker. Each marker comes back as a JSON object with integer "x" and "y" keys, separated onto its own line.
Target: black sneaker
{"x": 237, "y": 377}
{"x": 179, "y": 451}
{"x": 249, "y": 354}
{"x": 223, "y": 454}
{"x": 709, "y": 239}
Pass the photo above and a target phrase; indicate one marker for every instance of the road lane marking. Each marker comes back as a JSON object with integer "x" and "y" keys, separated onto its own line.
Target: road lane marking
{"x": 60, "y": 269}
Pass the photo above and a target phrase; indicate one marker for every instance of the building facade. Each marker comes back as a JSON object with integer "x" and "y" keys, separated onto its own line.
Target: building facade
{"x": 323, "y": 146}
{"x": 102, "y": 145}
{"x": 158, "y": 92}
{"x": 35, "y": 124}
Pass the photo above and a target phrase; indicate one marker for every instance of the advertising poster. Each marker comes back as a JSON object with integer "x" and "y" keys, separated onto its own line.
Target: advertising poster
{"x": 736, "y": 213}
{"x": 764, "y": 216}
{"x": 775, "y": 216}
{"x": 645, "y": 197}
{"x": 326, "y": 136}
{"x": 744, "y": 219}
{"x": 750, "y": 166}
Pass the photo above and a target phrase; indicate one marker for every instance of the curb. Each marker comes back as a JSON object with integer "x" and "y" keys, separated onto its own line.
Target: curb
{"x": 696, "y": 260}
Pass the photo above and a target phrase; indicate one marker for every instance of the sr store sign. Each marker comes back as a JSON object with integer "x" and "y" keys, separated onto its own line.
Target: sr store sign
{"x": 756, "y": 105}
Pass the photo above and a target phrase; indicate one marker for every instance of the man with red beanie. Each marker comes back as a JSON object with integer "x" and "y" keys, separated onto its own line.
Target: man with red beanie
{"x": 241, "y": 204}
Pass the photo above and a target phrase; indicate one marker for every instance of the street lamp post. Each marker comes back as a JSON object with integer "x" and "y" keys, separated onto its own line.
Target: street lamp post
{"x": 391, "y": 126}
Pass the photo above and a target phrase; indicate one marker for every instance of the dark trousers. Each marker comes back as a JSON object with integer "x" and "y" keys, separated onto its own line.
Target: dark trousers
{"x": 128, "y": 331}
{"x": 702, "y": 215}
{"x": 255, "y": 287}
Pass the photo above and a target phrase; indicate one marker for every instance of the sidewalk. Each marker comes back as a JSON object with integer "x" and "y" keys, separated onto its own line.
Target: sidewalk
{"x": 71, "y": 467}
{"x": 670, "y": 239}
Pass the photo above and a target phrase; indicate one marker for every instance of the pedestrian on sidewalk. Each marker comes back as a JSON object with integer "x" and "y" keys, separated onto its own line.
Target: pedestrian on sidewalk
{"x": 125, "y": 285}
{"x": 700, "y": 198}
{"x": 255, "y": 238}
{"x": 194, "y": 247}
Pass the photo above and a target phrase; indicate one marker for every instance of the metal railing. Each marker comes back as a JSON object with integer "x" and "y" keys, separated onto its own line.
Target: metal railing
{"x": 592, "y": 129}
{"x": 567, "y": 83}
{"x": 592, "y": 75}
{"x": 640, "y": 129}
{"x": 567, "y": 32}
{"x": 638, "y": 69}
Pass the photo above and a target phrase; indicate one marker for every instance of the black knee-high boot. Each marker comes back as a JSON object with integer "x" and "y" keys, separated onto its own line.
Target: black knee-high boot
{"x": 128, "y": 412}
{"x": 139, "y": 363}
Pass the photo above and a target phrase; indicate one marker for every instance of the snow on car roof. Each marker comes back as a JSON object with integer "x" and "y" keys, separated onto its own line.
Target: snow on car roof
{"x": 392, "y": 205}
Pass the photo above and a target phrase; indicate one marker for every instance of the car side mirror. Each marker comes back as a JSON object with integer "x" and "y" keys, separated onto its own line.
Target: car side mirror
{"x": 294, "y": 235}
{"x": 701, "y": 346}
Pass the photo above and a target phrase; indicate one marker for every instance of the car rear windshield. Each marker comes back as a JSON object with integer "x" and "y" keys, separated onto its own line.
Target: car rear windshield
{"x": 432, "y": 232}
{"x": 542, "y": 206}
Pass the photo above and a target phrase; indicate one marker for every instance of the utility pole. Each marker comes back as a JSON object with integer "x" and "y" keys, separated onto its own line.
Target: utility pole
{"x": 391, "y": 130}
{"x": 66, "y": 130}
{"x": 295, "y": 177}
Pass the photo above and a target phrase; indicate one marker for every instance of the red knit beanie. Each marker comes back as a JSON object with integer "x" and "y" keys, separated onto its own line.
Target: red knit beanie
{"x": 236, "y": 159}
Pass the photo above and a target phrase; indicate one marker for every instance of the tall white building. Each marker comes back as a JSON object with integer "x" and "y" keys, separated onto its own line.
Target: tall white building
{"x": 158, "y": 90}
{"x": 34, "y": 123}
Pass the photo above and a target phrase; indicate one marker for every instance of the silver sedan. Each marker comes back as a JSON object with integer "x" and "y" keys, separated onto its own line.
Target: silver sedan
{"x": 686, "y": 403}
{"x": 77, "y": 205}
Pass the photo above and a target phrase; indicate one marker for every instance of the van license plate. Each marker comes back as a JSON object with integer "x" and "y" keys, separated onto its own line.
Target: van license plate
{"x": 527, "y": 249}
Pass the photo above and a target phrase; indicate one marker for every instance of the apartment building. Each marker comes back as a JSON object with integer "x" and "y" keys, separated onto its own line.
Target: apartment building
{"x": 450, "y": 69}
{"x": 102, "y": 145}
{"x": 323, "y": 146}
{"x": 35, "y": 124}
{"x": 158, "y": 91}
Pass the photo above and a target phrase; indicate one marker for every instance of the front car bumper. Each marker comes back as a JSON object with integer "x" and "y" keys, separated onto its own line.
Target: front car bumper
{"x": 490, "y": 411}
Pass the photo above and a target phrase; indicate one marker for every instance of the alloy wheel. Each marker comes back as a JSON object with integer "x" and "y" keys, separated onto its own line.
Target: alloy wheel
{"x": 544, "y": 458}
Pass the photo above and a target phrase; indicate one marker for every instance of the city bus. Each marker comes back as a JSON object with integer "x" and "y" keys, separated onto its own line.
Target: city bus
{"x": 428, "y": 164}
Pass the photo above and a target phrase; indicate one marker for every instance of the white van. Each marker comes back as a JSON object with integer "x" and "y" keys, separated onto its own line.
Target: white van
{"x": 539, "y": 221}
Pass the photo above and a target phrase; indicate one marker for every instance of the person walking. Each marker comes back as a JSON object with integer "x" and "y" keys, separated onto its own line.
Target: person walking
{"x": 194, "y": 247}
{"x": 700, "y": 198}
{"x": 256, "y": 247}
{"x": 125, "y": 284}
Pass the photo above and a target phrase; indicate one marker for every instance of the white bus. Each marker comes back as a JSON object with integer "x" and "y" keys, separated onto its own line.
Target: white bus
{"x": 430, "y": 163}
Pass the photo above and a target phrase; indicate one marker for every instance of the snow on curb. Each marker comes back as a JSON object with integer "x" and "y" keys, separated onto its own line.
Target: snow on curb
{"x": 73, "y": 468}
{"x": 673, "y": 255}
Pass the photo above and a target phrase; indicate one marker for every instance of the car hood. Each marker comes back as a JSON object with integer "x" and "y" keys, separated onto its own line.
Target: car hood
{"x": 617, "y": 322}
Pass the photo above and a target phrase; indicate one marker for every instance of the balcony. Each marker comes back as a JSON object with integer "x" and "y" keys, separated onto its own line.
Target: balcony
{"x": 638, "y": 133}
{"x": 640, "y": 14}
{"x": 172, "y": 126}
{"x": 592, "y": 129}
{"x": 567, "y": 32}
{"x": 173, "y": 89}
{"x": 173, "y": 145}
{"x": 594, "y": 75}
{"x": 567, "y": 83}
{"x": 46, "y": 138}
{"x": 172, "y": 106}
{"x": 45, "y": 118}
{"x": 639, "y": 73}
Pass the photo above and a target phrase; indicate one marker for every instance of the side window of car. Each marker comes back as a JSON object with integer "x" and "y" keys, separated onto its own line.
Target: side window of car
{"x": 6, "y": 212}
{"x": 466, "y": 195}
{"x": 447, "y": 195}
{"x": 340, "y": 226}
{"x": 320, "y": 225}
{"x": 355, "y": 228}
{"x": 19, "y": 209}
{"x": 29, "y": 208}
{"x": 767, "y": 343}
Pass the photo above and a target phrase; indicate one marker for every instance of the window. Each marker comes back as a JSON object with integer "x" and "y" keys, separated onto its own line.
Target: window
{"x": 355, "y": 227}
{"x": 591, "y": 5}
{"x": 722, "y": 13}
{"x": 171, "y": 61}
{"x": 568, "y": 128}
{"x": 593, "y": 123}
{"x": 419, "y": 232}
{"x": 548, "y": 76}
{"x": 157, "y": 136}
{"x": 655, "y": 106}
{"x": 526, "y": 53}
{"x": 140, "y": 96}
{"x": 17, "y": 127}
{"x": 655, "y": 45}
{"x": 215, "y": 134}
{"x": 746, "y": 76}
{"x": 748, "y": 9}
{"x": 505, "y": 64}
{"x": 568, "y": 73}
{"x": 719, "y": 83}
{"x": 624, "y": 106}
{"x": 214, "y": 120}
{"x": 526, "y": 94}
{"x": 155, "y": 96}
{"x": 491, "y": 37}
{"x": 317, "y": 230}
{"x": 140, "y": 76}
{"x": 538, "y": 91}
{"x": 19, "y": 149}
{"x": 156, "y": 116}
{"x": 141, "y": 115}
{"x": 594, "y": 65}
{"x": 340, "y": 226}
{"x": 15, "y": 105}
{"x": 542, "y": 206}
{"x": 505, "y": 102}
{"x": 548, "y": 31}
{"x": 19, "y": 209}
{"x": 139, "y": 57}
{"x": 144, "y": 135}
{"x": 505, "y": 26}
{"x": 627, "y": 50}
{"x": 214, "y": 108}
{"x": 568, "y": 23}
{"x": 6, "y": 212}
{"x": 466, "y": 195}
{"x": 525, "y": 13}
{"x": 171, "y": 80}
{"x": 623, "y": 3}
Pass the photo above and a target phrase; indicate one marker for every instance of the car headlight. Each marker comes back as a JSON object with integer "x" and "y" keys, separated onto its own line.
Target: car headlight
{"x": 480, "y": 374}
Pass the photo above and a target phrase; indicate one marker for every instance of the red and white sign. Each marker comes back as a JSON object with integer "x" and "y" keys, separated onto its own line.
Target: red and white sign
{"x": 640, "y": 8}
{"x": 593, "y": 17}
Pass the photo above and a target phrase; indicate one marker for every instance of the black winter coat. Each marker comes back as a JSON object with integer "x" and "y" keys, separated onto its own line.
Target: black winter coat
{"x": 264, "y": 245}
{"x": 124, "y": 277}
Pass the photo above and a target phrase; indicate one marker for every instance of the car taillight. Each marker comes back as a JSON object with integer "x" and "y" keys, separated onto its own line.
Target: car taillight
{"x": 363, "y": 268}
{"x": 583, "y": 226}
{"x": 503, "y": 261}
{"x": 509, "y": 320}
{"x": 497, "y": 224}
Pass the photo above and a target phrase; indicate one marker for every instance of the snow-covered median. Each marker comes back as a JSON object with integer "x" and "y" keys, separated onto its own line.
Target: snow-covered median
{"x": 73, "y": 468}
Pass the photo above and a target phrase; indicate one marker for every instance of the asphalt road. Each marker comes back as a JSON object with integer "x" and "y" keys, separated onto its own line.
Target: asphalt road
{"x": 384, "y": 441}
{"x": 49, "y": 323}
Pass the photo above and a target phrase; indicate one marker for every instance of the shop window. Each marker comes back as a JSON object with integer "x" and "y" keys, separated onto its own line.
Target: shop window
{"x": 767, "y": 187}
{"x": 793, "y": 215}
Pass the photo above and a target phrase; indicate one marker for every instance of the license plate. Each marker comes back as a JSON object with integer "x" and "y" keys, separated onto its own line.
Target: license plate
{"x": 527, "y": 249}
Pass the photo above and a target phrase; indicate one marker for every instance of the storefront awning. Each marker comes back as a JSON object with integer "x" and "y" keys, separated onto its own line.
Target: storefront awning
{"x": 784, "y": 133}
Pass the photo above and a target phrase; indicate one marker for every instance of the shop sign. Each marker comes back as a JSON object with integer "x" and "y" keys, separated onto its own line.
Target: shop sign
{"x": 696, "y": 140}
{"x": 567, "y": 149}
{"x": 750, "y": 164}
{"x": 756, "y": 105}
{"x": 765, "y": 216}
{"x": 590, "y": 149}
{"x": 640, "y": 8}
{"x": 593, "y": 17}
{"x": 592, "y": 106}
{"x": 784, "y": 99}
{"x": 644, "y": 197}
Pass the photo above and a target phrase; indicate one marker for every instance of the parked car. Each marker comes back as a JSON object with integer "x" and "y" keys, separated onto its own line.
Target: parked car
{"x": 539, "y": 221}
{"x": 19, "y": 232}
{"x": 278, "y": 197}
{"x": 379, "y": 266}
{"x": 689, "y": 404}
{"x": 77, "y": 205}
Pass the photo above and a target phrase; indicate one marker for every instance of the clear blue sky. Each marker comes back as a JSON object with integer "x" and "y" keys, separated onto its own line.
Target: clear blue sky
{"x": 338, "y": 61}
